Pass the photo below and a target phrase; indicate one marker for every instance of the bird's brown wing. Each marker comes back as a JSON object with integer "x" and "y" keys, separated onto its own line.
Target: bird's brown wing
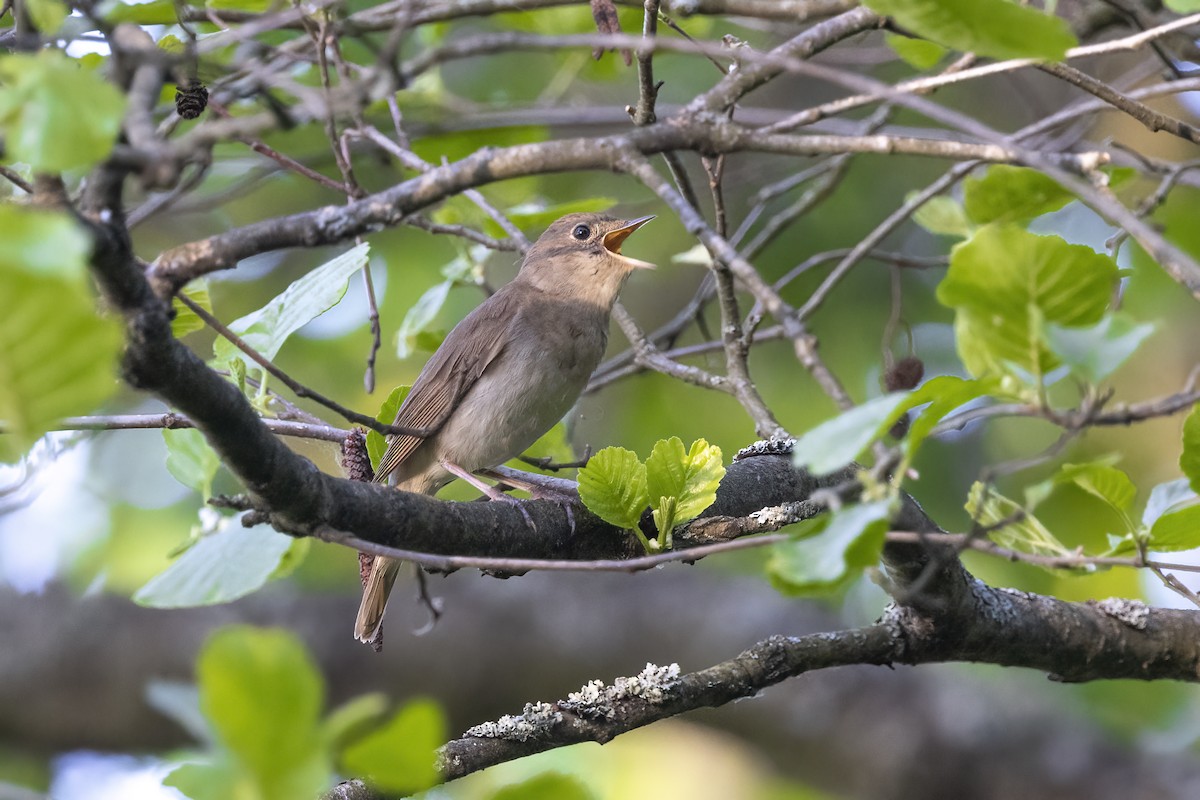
{"x": 447, "y": 377}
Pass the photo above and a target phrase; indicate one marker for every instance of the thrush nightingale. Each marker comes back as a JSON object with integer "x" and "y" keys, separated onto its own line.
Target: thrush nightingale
{"x": 508, "y": 372}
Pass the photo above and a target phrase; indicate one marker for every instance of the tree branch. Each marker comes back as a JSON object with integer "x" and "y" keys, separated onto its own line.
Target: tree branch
{"x": 1111, "y": 639}
{"x": 705, "y": 133}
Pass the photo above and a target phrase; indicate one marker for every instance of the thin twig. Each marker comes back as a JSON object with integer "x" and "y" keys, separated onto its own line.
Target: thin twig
{"x": 643, "y": 112}
{"x": 170, "y": 420}
{"x": 299, "y": 389}
{"x": 923, "y": 85}
{"x": 1154, "y": 120}
{"x": 12, "y": 177}
{"x": 376, "y": 332}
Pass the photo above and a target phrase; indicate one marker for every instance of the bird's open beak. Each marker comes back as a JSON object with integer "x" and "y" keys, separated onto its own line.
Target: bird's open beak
{"x": 616, "y": 237}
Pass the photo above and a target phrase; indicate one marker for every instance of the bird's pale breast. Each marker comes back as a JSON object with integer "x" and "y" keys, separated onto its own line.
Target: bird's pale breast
{"x": 529, "y": 388}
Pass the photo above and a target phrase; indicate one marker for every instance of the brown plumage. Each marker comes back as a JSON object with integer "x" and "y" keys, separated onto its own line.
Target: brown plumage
{"x": 508, "y": 372}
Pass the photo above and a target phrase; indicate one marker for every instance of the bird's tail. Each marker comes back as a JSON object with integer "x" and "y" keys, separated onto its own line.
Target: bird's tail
{"x": 375, "y": 597}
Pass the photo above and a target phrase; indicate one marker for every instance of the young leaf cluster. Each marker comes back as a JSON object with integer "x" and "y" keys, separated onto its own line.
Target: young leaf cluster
{"x": 677, "y": 484}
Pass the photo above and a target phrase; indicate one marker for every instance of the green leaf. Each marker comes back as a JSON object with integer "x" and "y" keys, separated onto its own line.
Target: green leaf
{"x": 187, "y": 321}
{"x": 1176, "y": 530}
{"x": 690, "y": 476}
{"x": 155, "y": 12}
{"x": 664, "y": 513}
{"x": 993, "y": 28}
{"x": 428, "y": 341}
{"x": 292, "y": 558}
{"x": 1189, "y": 459}
{"x": 613, "y": 487}
{"x": 467, "y": 268}
{"x": 47, "y": 15}
{"x": 835, "y": 443}
{"x": 1095, "y": 352}
{"x": 300, "y": 303}
{"x": 172, "y": 44}
{"x": 263, "y": 695}
{"x": 220, "y": 567}
{"x": 1005, "y": 283}
{"x": 399, "y": 757}
{"x": 943, "y": 216}
{"x": 56, "y": 116}
{"x": 377, "y": 442}
{"x": 248, "y": 6}
{"x": 191, "y": 460}
{"x": 57, "y": 357}
{"x": 1012, "y": 194}
{"x": 454, "y": 145}
{"x": 420, "y": 317}
{"x": 1104, "y": 481}
{"x": 1118, "y": 176}
{"x": 217, "y": 779}
{"x": 1026, "y": 535}
{"x": 945, "y": 393}
{"x": 819, "y": 564}
{"x": 546, "y": 786}
{"x": 351, "y": 719}
{"x": 47, "y": 244}
{"x": 1165, "y": 497}
{"x": 917, "y": 53}
{"x": 1182, "y": 6}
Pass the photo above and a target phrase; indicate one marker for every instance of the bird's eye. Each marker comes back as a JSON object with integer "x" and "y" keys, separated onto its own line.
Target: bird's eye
{"x": 581, "y": 232}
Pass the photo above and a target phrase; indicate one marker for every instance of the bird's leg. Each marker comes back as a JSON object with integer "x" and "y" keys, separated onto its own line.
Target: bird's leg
{"x": 541, "y": 487}
{"x": 491, "y": 491}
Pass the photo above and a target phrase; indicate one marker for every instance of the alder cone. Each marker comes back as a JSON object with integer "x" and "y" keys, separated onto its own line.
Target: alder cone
{"x": 191, "y": 98}
{"x": 904, "y": 374}
{"x": 355, "y": 459}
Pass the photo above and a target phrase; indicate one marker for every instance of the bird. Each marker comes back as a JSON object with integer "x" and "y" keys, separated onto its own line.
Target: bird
{"x": 507, "y": 373}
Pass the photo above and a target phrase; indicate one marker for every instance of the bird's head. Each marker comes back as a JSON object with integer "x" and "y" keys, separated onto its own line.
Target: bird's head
{"x": 580, "y": 256}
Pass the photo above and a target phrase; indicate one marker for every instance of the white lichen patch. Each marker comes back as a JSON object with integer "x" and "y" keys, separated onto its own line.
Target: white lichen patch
{"x": 650, "y": 684}
{"x": 767, "y": 447}
{"x": 589, "y": 695}
{"x": 1133, "y": 613}
{"x": 535, "y": 720}
{"x": 772, "y": 516}
{"x": 595, "y": 700}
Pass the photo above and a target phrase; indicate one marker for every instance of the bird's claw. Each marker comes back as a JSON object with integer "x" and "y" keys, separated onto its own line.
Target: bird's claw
{"x": 520, "y": 507}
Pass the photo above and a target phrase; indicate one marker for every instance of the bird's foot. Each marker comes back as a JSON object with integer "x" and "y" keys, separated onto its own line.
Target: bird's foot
{"x": 542, "y": 487}
{"x": 504, "y": 498}
{"x": 491, "y": 491}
